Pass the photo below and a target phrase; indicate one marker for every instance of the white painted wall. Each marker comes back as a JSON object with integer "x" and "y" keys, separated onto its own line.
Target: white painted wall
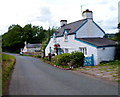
{"x": 89, "y": 30}
{"x": 100, "y": 54}
{"x": 105, "y": 54}
{"x": 24, "y": 49}
{"x": 50, "y": 44}
{"x": 72, "y": 45}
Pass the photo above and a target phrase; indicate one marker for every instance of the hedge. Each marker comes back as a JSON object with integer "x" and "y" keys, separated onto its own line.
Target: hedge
{"x": 74, "y": 59}
{"x": 62, "y": 59}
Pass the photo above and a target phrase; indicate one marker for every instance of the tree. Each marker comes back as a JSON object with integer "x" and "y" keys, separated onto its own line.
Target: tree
{"x": 12, "y": 40}
{"x": 119, "y": 25}
{"x": 117, "y": 39}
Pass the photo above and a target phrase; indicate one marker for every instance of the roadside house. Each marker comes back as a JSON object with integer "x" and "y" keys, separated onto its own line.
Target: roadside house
{"x": 31, "y": 48}
{"x": 84, "y": 36}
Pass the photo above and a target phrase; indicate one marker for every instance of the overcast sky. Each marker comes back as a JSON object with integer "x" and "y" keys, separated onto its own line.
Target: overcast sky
{"x": 49, "y": 13}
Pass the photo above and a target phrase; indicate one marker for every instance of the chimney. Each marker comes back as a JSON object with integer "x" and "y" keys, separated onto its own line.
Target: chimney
{"x": 87, "y": 14}
{"x": 63, "y": 23}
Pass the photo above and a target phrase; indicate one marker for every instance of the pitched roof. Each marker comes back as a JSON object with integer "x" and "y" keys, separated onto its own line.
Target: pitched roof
{"x": 98, "y": 42}
{"x": 71, "y": 27}
{"x": 33, "y": 45}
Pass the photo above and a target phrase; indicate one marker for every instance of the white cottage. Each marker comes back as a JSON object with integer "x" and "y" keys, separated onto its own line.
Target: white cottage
{"x": 31, "y": 48}
{"x": 84, "y": 36}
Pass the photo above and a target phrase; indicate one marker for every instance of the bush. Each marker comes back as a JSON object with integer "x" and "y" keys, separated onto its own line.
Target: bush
{"x": 62, "y": 59}
{"x": 46, "y": 58}
{"x": 117, "y": 55}
{"x": 77, "y": 58}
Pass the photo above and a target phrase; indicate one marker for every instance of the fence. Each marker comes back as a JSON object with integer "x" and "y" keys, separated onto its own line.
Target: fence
{"x": 89, "y": 61}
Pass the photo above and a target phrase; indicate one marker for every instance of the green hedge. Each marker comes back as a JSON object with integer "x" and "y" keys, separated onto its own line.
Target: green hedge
{"x": 77, "y": 58}
{"x": 74, "y": 59}
{"x": 62, "y": 59}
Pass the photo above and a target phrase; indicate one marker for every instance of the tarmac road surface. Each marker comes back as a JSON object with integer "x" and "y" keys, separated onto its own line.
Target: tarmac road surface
{"x": 31, "y": 76}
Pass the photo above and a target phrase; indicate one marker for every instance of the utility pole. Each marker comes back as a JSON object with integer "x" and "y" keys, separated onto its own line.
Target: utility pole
{"x": 82, "y": 7}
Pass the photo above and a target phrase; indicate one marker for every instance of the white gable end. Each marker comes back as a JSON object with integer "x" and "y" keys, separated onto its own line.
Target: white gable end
{"x": 90, "y": 29}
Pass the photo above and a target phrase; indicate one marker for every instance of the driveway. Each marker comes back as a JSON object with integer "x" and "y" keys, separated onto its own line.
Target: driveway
{"x": 31, "y": 76}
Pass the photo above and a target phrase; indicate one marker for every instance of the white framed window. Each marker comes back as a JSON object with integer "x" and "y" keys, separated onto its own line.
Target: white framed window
{"x": 83, "y": 50}
{"x": 65, "y": 36}
{"x": 66, "y": 50}
{"x": 54, "y": 38}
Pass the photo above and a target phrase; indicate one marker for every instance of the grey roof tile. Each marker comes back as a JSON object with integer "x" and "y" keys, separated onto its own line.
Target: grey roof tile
{"x": 33, "y": 45}
{"x": 71, "y": 27}
{"x": 98, "y": 41}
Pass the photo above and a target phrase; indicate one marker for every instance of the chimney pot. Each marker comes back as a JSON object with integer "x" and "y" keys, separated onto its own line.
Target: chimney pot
{"x": 87, "y": 14}
{"x": 63, "y": 22}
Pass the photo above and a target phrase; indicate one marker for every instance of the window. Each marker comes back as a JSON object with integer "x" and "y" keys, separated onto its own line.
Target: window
{"x": 66, "y": 50}
{"x": 83, "y": 50}
{"x": 54, "y": 38}
{"x": 65, "y": 36}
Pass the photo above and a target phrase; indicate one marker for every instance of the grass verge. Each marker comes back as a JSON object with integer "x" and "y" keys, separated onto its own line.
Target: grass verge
{"x": 0, "y": 81}
{"x": 8, "y": 62}
{"x": 106, "y": 70}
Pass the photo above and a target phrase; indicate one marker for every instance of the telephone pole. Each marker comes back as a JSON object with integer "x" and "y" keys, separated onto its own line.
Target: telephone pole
{"x": 82, "y": 7}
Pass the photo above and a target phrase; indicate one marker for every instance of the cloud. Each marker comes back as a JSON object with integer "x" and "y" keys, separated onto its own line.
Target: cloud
{"x": 49, "y": 12}
{"x": 112, "y": 8}
{"x": 45, "y": 16}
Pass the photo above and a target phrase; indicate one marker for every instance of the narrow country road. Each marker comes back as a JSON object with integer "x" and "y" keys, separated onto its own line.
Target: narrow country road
{"x": 34, "y": 77}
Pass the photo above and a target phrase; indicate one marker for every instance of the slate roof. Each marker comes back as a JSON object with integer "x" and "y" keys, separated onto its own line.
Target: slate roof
{"x": 33, "y": 45}
{"x": 71, "y": 27}
{"x": 99, "y": 42}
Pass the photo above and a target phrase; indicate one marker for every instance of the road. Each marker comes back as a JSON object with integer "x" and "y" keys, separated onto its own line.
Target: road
{"x": 31, "y": 76}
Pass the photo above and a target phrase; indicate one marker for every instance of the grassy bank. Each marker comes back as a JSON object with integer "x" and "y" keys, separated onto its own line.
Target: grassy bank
{"x": 8, "y": 62}
{"x": 106, "y": 70}
{"x": 0, "y": 81}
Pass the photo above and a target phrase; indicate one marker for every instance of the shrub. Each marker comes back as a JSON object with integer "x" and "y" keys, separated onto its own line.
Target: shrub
{"x": 77, "y": 58}
{"x": 62, "y": 59}
{"x": 45, "y": 58}
{"x": 117, "y": 55}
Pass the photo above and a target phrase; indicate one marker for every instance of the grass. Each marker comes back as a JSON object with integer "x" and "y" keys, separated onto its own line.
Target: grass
{"x": 109, "y": 70}
{"x": 63, "y": 66}
{"x": 0, "y": 81}
{"x": 37, "y": 56}
{"x": 8, "y": 62}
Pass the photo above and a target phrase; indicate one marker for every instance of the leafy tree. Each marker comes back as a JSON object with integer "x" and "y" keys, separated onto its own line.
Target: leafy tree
{"x": 119, "y": 25}
{"x": 14, "y": 39}
{"x": 117, "y": 39}
{"x": 48, "y": 34}
{"x": 11, "y": 40}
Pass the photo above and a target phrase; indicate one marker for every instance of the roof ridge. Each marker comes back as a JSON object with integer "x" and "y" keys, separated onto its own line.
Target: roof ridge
{"x": 75, "y": 22}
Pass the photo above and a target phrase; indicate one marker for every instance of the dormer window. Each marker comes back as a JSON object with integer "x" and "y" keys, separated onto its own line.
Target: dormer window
{"x": 54, "y": 38}
{"x": 65, "y": 36}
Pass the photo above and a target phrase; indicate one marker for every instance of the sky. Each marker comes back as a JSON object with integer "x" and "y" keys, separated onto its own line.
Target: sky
{"x": 48, "y": 13}
{"x": 119, "y": 12}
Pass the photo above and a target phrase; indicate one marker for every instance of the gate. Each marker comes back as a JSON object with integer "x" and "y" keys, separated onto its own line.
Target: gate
{"x": 89, "y": 61}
